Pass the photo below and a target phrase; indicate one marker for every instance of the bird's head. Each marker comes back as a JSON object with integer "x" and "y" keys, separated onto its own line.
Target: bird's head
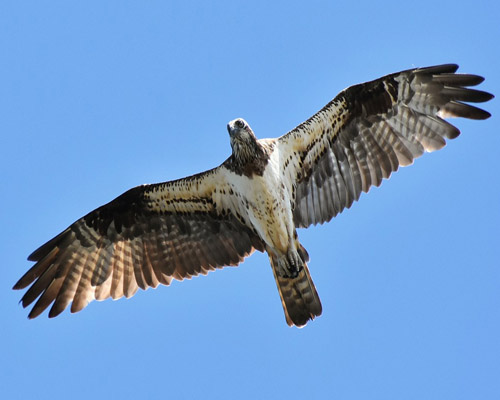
{"x": 240, "y": 130}
{"x": 243, "y": 140}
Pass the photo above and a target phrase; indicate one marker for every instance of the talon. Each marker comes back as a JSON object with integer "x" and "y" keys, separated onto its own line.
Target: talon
{"x": 290, "y": 265}
{"x": 295, "y": 263}
{"x": 282, "y": 267}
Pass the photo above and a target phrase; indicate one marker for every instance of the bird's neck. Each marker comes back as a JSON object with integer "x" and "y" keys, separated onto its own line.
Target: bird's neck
{"x": 249, "y": 157}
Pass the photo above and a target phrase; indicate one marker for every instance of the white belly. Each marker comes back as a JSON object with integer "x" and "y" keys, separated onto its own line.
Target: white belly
{"x": 267, "y": 206}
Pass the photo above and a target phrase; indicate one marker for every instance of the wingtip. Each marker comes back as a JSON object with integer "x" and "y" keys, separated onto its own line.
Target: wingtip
{"x": 35, "y": 312}
{"x": 484, "y": 116}
{"x": 438, "y": 69}
{"x": 479, "y": 79}
{"x": 17, "y": 286}
{"x": 31, "y": 315}
{"x": 56, "y": 309}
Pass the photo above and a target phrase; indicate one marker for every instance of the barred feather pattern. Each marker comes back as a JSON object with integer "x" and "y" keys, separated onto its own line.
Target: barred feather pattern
{"x": 148, "y": 236}
{"x": 298, "y": 295}
{"x": 368, "y": 131}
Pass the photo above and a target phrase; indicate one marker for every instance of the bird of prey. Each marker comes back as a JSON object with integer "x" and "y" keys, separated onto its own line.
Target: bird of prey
{"x": 256, "y": 199}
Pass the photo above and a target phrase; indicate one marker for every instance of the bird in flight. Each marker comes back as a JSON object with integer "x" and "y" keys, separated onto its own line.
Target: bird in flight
{"x": 256, "y": 199}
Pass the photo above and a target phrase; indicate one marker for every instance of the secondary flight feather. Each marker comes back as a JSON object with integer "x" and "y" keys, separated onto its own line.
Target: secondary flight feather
{"x": 256, "y": 199}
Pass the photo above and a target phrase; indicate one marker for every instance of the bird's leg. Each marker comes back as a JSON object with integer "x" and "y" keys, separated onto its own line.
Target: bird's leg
{"x": 295, "y": 263}
{"x": 290, "y": 265}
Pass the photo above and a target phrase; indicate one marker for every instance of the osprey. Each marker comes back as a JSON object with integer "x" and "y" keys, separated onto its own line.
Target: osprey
{"x": 256, "y": 199}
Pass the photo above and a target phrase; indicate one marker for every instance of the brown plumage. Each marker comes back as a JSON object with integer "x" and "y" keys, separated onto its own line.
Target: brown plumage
{"x": 256, "y": 199}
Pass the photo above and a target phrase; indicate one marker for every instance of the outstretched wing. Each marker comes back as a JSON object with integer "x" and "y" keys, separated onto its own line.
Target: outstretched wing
{"x": 149, "y": 235}
{"x": 368, "y": 131}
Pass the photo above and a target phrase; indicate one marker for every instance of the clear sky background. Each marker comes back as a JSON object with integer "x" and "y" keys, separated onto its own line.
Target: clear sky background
{"x": 97, "y": 97}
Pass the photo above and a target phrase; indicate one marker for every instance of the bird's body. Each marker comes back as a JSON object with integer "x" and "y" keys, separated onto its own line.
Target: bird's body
{"x": 256, "y": 199}
{"x": 261, "y": 209}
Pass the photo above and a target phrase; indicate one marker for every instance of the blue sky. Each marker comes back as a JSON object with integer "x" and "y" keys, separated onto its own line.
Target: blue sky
{"x": 97, "y": 97}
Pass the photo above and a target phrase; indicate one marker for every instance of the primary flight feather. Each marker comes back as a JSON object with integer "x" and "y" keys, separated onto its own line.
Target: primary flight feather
{"x": 255, "y": 199}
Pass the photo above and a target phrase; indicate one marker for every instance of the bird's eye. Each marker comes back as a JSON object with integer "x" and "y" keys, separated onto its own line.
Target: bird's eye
{"x": 239, "y": 123}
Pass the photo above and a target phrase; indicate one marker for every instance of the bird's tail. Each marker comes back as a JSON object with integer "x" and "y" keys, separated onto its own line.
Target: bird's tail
{"x": 298, "y": 294}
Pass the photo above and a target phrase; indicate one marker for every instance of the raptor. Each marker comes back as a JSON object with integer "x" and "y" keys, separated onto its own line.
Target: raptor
{"x": 256, "y": 199}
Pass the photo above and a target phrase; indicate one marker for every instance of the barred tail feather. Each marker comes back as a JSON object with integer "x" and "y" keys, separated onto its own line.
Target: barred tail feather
{"x": 298, "y": 295}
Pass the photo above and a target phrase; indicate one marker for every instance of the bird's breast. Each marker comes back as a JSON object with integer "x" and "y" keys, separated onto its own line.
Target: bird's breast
{"x": 267, "y": 208}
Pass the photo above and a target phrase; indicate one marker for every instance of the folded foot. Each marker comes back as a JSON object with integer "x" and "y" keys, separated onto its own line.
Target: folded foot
{"x": 291, "y": 265}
